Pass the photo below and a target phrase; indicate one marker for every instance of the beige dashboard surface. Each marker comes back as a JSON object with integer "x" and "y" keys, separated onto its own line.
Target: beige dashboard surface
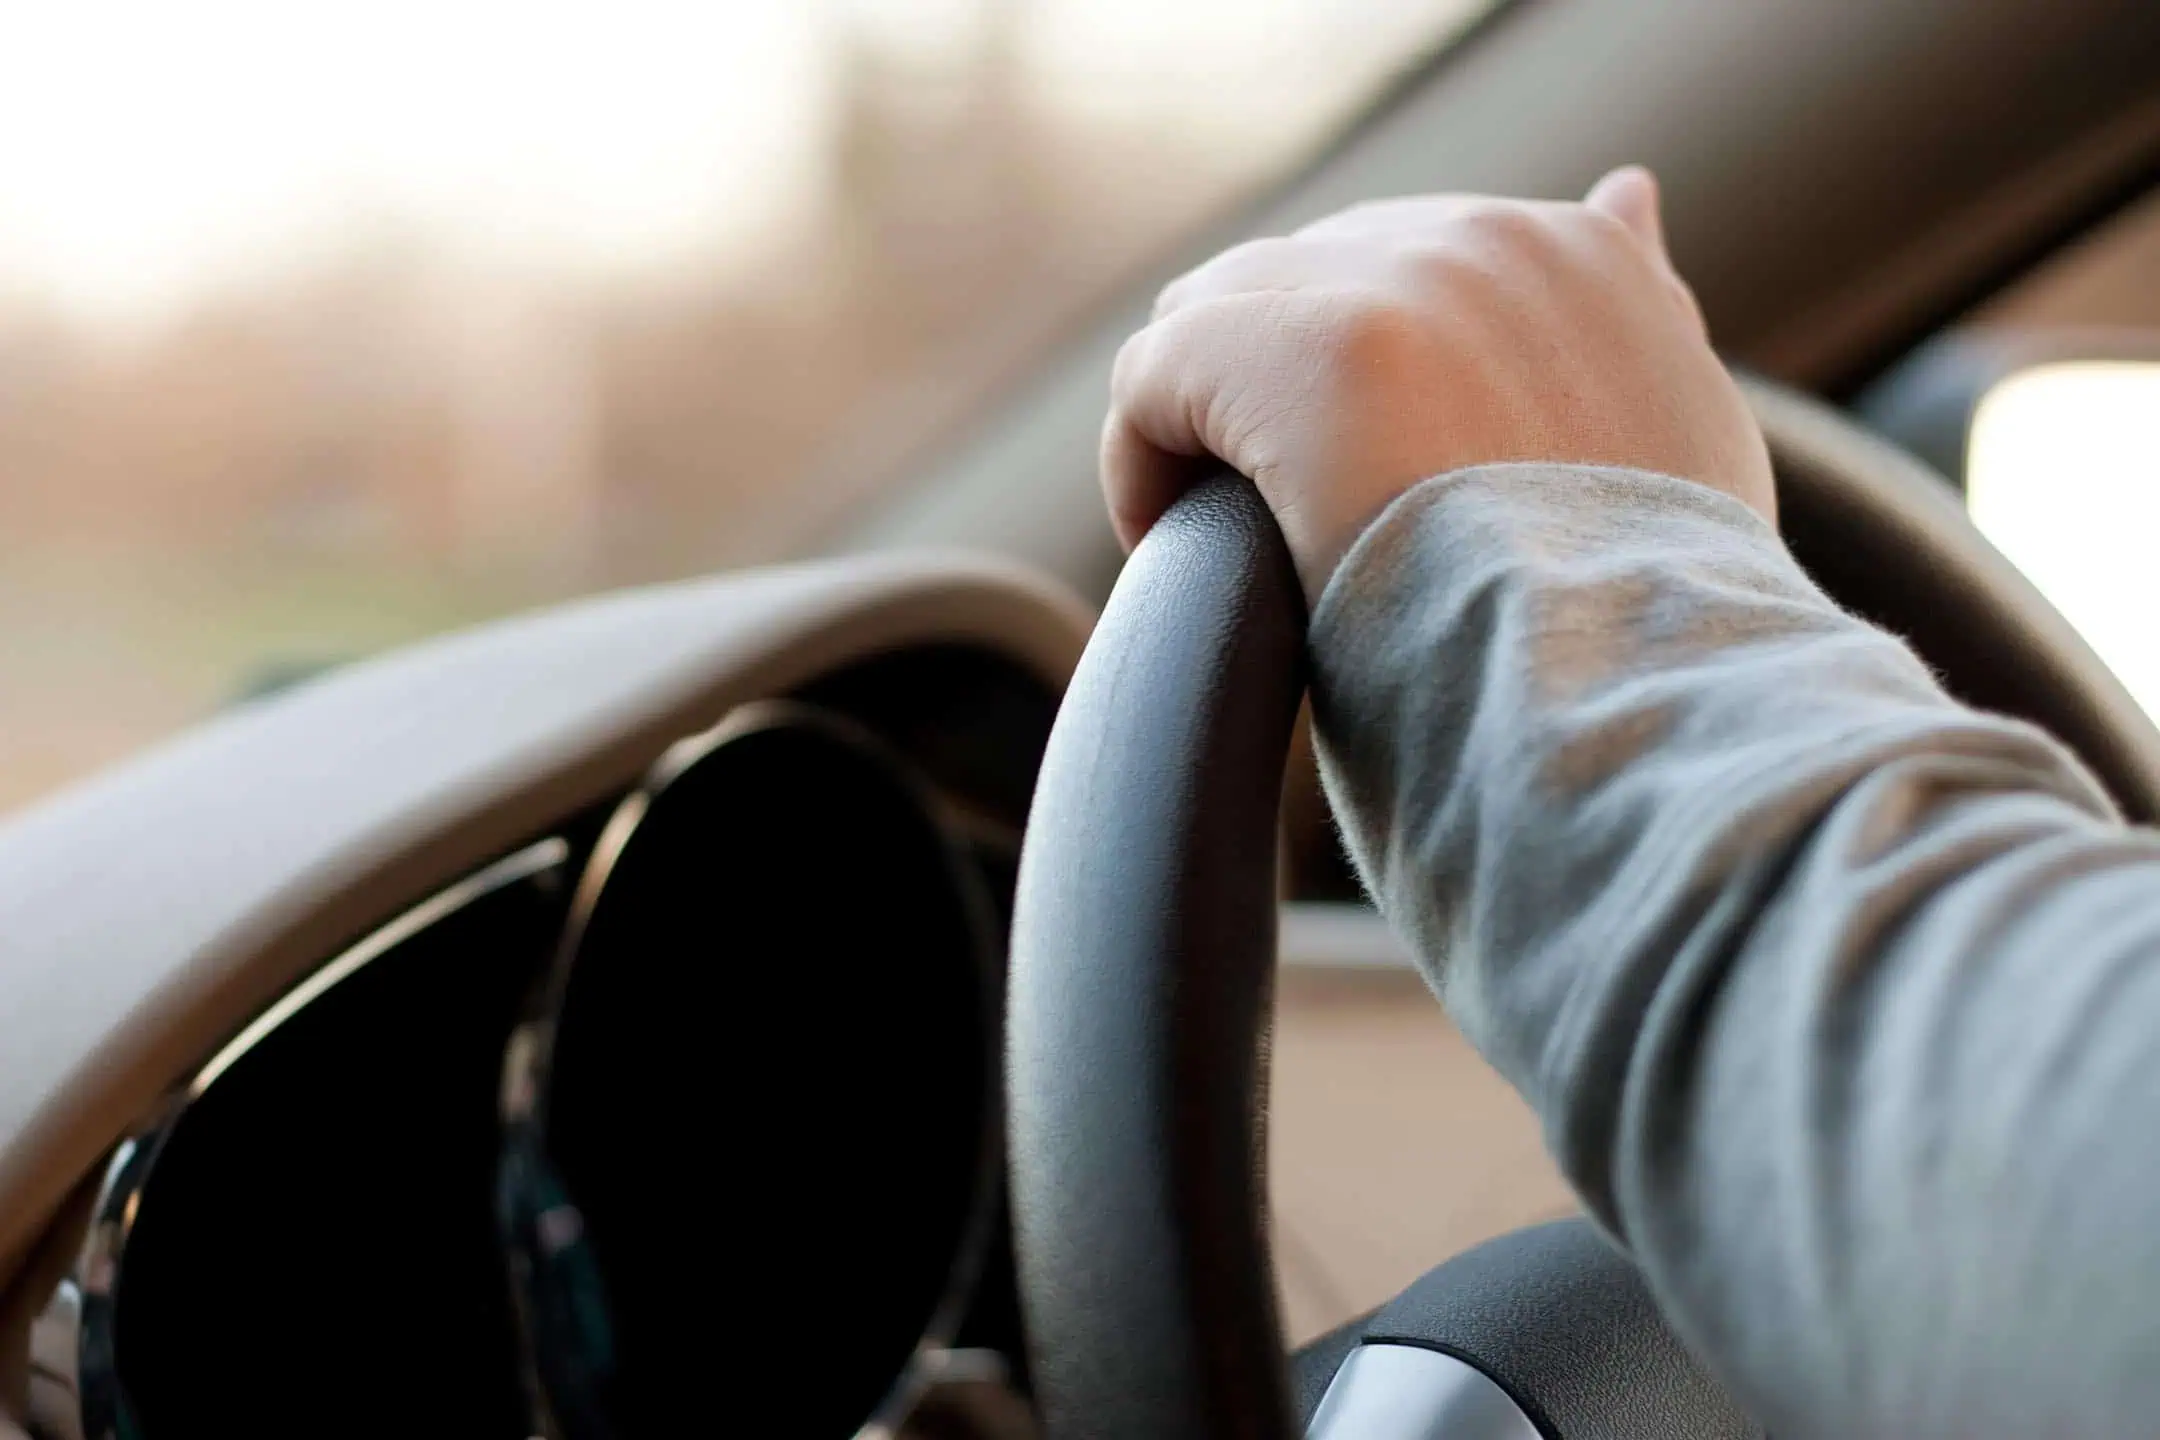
{"x": 146, "y": 915}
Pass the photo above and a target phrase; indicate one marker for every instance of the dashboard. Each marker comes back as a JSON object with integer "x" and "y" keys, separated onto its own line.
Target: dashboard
{"x": 680, "y": 1105}
{"x": 695, "y": 1097}
{"x": 711, "y": 1073}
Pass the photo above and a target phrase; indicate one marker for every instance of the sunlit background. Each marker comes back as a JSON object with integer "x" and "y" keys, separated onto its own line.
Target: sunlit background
{"x": 327, "y": 326}
{"x": 2063, "y": 473}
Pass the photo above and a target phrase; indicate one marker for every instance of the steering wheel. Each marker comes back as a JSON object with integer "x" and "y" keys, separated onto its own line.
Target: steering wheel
{"x": 1143, "y": 954}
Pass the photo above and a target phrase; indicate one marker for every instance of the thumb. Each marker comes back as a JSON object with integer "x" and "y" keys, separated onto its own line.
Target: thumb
{"x": 1630, "y": 195}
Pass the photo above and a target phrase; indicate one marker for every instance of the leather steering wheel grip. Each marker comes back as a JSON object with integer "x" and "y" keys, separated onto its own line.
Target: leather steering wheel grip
{"x": 1141, "y": 991}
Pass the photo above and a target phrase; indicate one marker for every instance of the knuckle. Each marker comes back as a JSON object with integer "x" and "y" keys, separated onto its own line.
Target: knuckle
{"x": 1511, "y": 222}
{"x": 1432, "y": 262}
{"x": 1600, "y": 224}
{"x": 1367, "y": 331}
{"x": 1518, "y": 234}
{"x": 1606, "y": 236}
{"x": 1350, "y": 217}
{"x": 1139, "y": 360}
{"x": 1187, "y": 346}
{"x": 1225, "y": 271}
{"x": 1477, "y": 246}
{"x": 1241, "y": 255}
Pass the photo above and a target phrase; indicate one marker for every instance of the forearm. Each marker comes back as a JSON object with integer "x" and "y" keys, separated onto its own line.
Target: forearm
{"x": 1823, "y": 985}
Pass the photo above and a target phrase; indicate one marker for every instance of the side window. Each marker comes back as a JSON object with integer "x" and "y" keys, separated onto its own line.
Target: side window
{"x": 2062, "y": 472}
{"x": 2044, "y": 406}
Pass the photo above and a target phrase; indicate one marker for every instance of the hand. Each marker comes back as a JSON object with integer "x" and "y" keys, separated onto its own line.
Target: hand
{"x": 1395, "y": 341}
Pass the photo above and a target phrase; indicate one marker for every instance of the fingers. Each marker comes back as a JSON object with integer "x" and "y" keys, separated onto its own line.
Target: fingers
{"x": 1139, "y": 480}
{"x": 1274, "y": 262}
{"x": 1152, "y": 446}
{"x": 1630, "y": 196}
{"x": 1324, "y": 251}
{"x": 1405, "y": 213}
{"x": 1252, "y": 356}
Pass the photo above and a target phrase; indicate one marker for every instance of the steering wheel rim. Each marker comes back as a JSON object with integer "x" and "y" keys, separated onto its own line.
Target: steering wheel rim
{"x": 1147, "y": 1286}
{"x": 1142, "y": 953}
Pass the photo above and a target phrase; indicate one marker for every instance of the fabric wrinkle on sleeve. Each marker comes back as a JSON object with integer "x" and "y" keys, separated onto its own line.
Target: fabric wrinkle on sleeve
{"x": 1835, "y": 997}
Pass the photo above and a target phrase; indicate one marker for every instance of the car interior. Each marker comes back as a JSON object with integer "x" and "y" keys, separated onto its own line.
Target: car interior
{"x": 916, "y": 989}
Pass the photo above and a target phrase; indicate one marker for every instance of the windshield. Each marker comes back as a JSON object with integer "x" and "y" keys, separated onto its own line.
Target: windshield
{"x": 325, "y": 327}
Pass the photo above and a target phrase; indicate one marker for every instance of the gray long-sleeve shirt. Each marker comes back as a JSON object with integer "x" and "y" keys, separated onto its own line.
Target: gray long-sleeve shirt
{"x": 1840, "y": 1002}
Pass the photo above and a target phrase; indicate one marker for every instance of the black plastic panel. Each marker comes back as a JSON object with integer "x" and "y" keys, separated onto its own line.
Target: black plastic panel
{"x": 314, "y": 1252}
{"x": 771, "y": 1093}
{"x": 1567, "y": 1327}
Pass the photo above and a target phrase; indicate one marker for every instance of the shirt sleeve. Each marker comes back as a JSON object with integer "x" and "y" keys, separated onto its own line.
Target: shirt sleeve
{"x": 1839, "y": 1001}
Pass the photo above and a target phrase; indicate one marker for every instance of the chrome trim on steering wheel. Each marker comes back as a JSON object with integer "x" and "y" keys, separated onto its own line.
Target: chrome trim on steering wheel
{"x": 1406, "y": 1392}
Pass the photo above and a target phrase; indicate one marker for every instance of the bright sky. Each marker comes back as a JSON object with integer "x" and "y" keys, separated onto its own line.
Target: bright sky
{"x": 151, "y": 148}
{"x": 148, "y": 148}
{"x": 2063, "y": 472}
